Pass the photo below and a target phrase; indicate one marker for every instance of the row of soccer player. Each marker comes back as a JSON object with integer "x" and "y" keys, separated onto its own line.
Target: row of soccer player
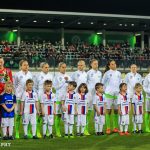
{"x": 111, "y": 80}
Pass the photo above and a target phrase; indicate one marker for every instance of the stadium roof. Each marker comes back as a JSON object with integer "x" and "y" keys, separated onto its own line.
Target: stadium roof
{"x": 73, "y": 20}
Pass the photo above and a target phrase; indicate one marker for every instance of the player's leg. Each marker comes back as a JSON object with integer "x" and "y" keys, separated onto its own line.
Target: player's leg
{"x": 25, "y": 125}
{"x": 134, "y": 123}
{"x": 44, "y": 126}
{"x": 78, "y": 124}
{"x": 122, "y": 124}
{"x": 71, "y": 123}
{"x": 83, "y": 124}
{"x": 58, "y": 119}
{"x": 17, "y": 119}
{"x": 102, "y": 122}
{"x": 147, "y": 115}
{"x": 115, "y": 115}
{"x": 66, "y": 125}
{"x": 4, "y": 124}
{"x": 11, "y": 126}
{"x": 33, "y": 125}
{"x": 96, "y": 124}
{"x": 140, "y": 121}
{"x": 50, "y": 125}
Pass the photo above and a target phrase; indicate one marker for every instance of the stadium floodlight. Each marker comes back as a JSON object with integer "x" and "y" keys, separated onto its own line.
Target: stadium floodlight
{"x": 17, "y": 20}
{"x": 125, "y": 25}
{"x": 79, "y": 22}
{"x": 105, "y": 24}
{"x": 132, "y": 24}
{"x": 2, "y": 19}
{"x": 99, "y": 33}
{"x": 92, "y": 22}
{"x": 48, "y": 21}
{"x": 138, "y": 34}
{"x": 62, "y": 22}
{"x": 14, "y": 30}
{"x": 34, "y": 21}
{"x": 120, "y": 24}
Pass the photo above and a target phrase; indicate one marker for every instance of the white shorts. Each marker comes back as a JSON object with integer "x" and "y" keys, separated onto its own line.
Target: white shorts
{"x": 124, "y": 120}
{"x": 69, "y": 119}
{"x": 139, "y": 119}
{"x": 111, "y": 104}
{"x": 29, "y": 118}
{"x": 7, "y": 122}
{"x": 81, "y": 120}
{"x": 48, "y": 119}
{"x": 100, "y": 119}
{"x": 147, "y": 105}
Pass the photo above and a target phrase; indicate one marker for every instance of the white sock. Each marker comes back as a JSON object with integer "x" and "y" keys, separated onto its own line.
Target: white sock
{"x": 34, "y": 129}
{"x": 44, "y": 129}
{"x": 66, "y": 128}
{"x": 10, "y": 130}
{"x": 82, "y": 129}
{"x": 70, "y": 128}
{"x": 25, "y": 127}
{"x": 100, "y": 128}
{"x": 134, "y": 126}
{"x": 50, "y": 129}
{"x": 4, "y": 129}
{"x": 96, "y": 127}
{"x": 126, "y": 128}
{"x": 139, "y": 126}
{"x": 121, "y": 128}
{"x": 78, "y": 129}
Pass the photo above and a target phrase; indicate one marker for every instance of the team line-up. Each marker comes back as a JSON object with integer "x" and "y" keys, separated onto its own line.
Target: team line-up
{"x": 32, "y": 101}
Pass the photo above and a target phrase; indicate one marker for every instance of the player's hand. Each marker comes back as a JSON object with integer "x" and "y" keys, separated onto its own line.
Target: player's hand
{"x": 54, "y": 112}
{"x": 64, "y": 109}
{"x": 21, "y": 113}
{"x": 8, "y": 110}
{"x": 66, "y": 78}
{"x": 43, "y": 114}
{"x": 76, "y": 113}
{"x": 98, "y": 113}
{"x": 38, "y": 113}
{"x": 120, "y": 113}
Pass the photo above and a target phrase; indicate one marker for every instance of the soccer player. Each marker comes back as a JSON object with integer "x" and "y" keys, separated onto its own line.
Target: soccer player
{"x": 131, "y": 79}
{"x": 100, "y": 109}
{"x": 93, "y": 76}
{"x": 29, "y": 108}
{"x": 137, "y": 106}
{"x": 146, "y": 87}
{"x": 39, "y": 81}
{"x": 20, "y": 79}
{"x": 111, "y": 81}
{"x": 69, "y": 108}
{"x": 82, "y": 108}
{"x": 80, "y": 76}
{"x": 60, "y": 83}
{"x": 123, "y": 109}
{"x": 8, "y": 103}
{"x": 48, "y": 107}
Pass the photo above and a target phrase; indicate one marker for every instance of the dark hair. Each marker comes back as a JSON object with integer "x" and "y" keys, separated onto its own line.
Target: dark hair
{"x": 137, "y": 85}
{"x": 107, "y": 65}
{"x": 47, "y": 82}
{"x": 83, "y": 85}
{"x": 97, "y": 85}
{"x": 73, "y": 83}
{"x": 121, "y": 85}
{"x": 29, "y": 81}
{"x": 91, "y": 61}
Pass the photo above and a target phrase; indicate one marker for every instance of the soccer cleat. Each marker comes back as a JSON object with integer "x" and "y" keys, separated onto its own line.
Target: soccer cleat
{"x": 134, "y": 131}
{"x": 97, "y": 133}
{"x": 35, "y": 137}
{"x": 51, "y": 136}
{"x": 11, "y": 138}
{"x": 66, "y": 136}
{"x": 82, "y": 134}
{"x": 127, "y": 133}
{"x": 140, "y": 131}
{"x": 5, "y": 138}
{"x": 25, "y": 137}
{"x": 108, "y": 131}
{"x": 71, "y": 136}
{"x": 115, "y": 130}
{"x": 44, "y": 136}
{"x": 101, "y": 133}
{"x": 121, "y": 133}
{"x": 86, "y": 132}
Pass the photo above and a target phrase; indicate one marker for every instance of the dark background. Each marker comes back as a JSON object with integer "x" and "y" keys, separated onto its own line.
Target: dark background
{"x": 129, "y": 7}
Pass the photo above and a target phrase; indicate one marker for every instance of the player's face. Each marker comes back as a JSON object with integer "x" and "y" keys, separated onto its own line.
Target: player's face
{"x": 48, "y": 87}
{"x": 81, "y": 66}
{"x": 124, "y": 88}
{"x": 133, "y": 68}
{"x": 139, "y": 89}
{"x": 82, "y": 89}
{"x": 25, "y": 66}
{"x": 29, "y": 86}
{"x": 63, "y": 68}
{"x": 1, "y": 63}
{"x": 70, "y": 87}
{"x": 100, "y": 89}
{"x": 8, "y": 88}
{"x": 112, "y": 65}
{"x": 45, "y": 68}
{"x": 94, "y": 65}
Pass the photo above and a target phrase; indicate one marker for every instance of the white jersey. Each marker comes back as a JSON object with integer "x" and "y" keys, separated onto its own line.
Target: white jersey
{"x": 39, "y": 81}
{"x": 124, "y": 102}
{"x": 29, "y": 99}
{"x": 93, "y": 77}
{"x": 131, "y": 79}
{"x": 138, "y": 101}
{"x": 48, "y": 100}
{"x": 20, "y": 82}
{"x": 82, "y": 101}
{"x": 146, "y": 85}
{"x": 99, "y": 101}
{"x": 70, "y": 101}
{"x": 60, "y": 84}
{"x": 79, "y": 77}
{"x": 111, "y": 81}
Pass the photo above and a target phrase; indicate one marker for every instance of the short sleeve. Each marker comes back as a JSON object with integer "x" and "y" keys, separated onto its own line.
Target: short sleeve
{"x": 63, "y": 97}
{"x": 119, "y": 100}
{"x": 54, "y": 97}
{"x": 42, "y": 98}
{"x": 133, "y": 99}
{"x": 94, "y": 100}
{"x": 1, "y": 100}
{"x": 36, "y": 97}
{"x": 14, "y": 98}
{"x": 23, "y": 97}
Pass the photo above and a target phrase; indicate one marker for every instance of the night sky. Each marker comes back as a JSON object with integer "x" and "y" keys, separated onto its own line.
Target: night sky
{"x": 131, "y": 7}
